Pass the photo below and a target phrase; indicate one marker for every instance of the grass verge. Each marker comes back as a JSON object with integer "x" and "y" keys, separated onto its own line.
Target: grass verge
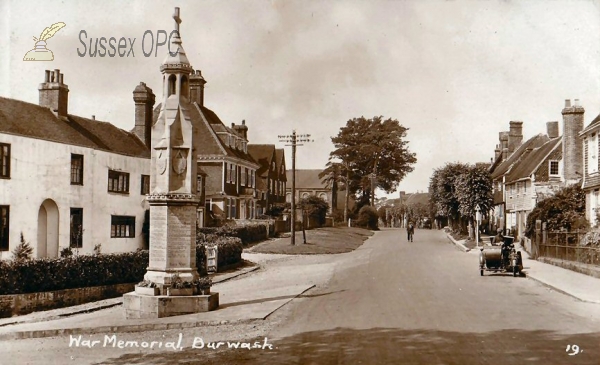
{"x": 328, "y": 240}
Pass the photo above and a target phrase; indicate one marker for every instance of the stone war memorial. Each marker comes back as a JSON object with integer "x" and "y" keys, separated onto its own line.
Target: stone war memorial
{"x": 172, "y": 271}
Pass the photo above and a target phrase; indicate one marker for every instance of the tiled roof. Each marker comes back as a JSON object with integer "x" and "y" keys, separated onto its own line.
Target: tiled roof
{"x": 531, "y": 160}
{"x": 305, "y": 179}
{"x": 263, "y": 154}
{"x": 411, "y": 198}
{"x": 34, "y": 121}
{"x": 531, "y": 143}
{"x": 422, "y": 198}
{"x": 210, "y": 145}
{"x": 216, "y": 123}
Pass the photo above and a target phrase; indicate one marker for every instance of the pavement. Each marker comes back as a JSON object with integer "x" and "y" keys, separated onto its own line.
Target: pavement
{"x": 579, "y": 286}
{"x": 259, "y": 294}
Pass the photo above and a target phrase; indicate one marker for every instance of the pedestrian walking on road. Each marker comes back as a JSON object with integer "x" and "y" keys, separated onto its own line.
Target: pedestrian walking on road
{"x": 411, "y": 231}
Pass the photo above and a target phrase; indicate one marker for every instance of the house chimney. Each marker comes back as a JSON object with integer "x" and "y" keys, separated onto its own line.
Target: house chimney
{"x": 572, "y": 144}
{"x": 144, "y": 102}
{"x": 54, "y": 94}
{"x": 241, "y": 129}
{"x": 552, "y": 129}
{"x": 503, "y": 140}
{"x": 197, "y": 87}
{"x": 497, "y": 152}
{"x": 515, "y": 136}
{"x": 504, "y": 154}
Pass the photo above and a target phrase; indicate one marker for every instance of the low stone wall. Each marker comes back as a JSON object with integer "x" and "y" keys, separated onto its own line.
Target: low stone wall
{"x": 590, "y": 270}
{"x": 18, "y": 304}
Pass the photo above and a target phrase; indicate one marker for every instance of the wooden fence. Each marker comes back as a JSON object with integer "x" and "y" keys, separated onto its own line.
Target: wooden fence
{"x": 576, "y": 246}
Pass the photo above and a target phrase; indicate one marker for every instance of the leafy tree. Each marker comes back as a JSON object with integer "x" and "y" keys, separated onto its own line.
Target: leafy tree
{"x": 375, "y": 145}
{"x": 334, "y": 178}
{"x": 474, "y": 188}
{"x": 316, "y": 207}
{"x": 442, "y": 187}
{"x": 563, "y": 211}
{"x": 23, "y": 251}
{"x": 367, "y": 217}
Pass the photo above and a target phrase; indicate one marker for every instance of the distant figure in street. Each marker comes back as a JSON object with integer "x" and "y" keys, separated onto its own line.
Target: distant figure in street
{"x": 411, "y": 231}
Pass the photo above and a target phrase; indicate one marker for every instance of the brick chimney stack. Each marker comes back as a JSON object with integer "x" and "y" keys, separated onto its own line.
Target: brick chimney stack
{"x": 552, "y": 129}
{"x": 572, "y": 144}
{"x": 503, "y": 147}
{"x": 54, "y": 94}
{"x": 197, "y": 83}
{"x": 241, "y": 129}
{"x": 144, "y": 103}
{"x": 497, "y": 152}
{"x": 515, "y": 136}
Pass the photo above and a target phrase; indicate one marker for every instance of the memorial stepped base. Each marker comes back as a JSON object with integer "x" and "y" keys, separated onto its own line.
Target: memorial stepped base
{"x": 149, "y": 306}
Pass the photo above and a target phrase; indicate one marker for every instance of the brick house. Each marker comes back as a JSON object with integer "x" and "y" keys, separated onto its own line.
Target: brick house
{"x": 308, "y": 183}
{"x": 70, "y": 181}
{"x": 270, "y": 186}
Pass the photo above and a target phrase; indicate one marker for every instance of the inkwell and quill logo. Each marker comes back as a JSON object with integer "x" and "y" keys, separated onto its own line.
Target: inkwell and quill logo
{"x": 40, "y": 52}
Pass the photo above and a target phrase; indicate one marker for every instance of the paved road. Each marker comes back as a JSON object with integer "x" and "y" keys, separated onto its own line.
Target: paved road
{"x": 395, "y": 302}
{"x": 424, "y": 302}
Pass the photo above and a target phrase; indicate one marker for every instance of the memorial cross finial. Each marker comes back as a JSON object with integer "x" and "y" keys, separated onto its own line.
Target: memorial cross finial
{"x": 177, "y": 19}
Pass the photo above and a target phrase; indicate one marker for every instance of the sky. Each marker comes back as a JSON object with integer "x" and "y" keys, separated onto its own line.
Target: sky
{"x": 454, "y": 72}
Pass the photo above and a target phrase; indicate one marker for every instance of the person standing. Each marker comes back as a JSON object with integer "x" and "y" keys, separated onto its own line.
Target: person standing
{"x": 411, "y": 231}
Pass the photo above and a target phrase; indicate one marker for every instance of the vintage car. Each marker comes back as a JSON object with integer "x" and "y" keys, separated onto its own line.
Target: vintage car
{"x": 501, "y": 257}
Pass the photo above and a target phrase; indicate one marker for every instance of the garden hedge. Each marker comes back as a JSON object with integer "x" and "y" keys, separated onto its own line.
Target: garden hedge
{"x": 38, "y": 275}
{"x": 80, "y": 271}
{"x": 248, "y": 233}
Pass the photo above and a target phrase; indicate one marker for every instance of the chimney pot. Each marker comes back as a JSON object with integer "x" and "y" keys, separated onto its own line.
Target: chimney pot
{"x": 232, "y": 125}
{"x": 567, "y": 103}
{"x": 576, "y": 102}
{"x": 53, "y": 93}
{"x": 243, "y": 121}
{"x": 93, "y": 117}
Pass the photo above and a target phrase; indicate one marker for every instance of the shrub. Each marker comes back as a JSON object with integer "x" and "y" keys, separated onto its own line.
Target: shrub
{"x": 315, "y": 207}
{"x": 23, "y": 251}
{"x": 367, "y": 217}
{"x": 66, "y": 252}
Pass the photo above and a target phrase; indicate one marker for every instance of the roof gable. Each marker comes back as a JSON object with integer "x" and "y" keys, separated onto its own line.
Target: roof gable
{"x": 593, "y": 125}
{"x": 264, "y": 154}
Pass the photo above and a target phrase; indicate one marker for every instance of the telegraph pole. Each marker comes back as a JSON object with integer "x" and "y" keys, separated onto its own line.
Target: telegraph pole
{"x": 293, "y": 140}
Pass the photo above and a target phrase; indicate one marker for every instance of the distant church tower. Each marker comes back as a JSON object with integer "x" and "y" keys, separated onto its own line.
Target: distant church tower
{"x": 173, "y": 201}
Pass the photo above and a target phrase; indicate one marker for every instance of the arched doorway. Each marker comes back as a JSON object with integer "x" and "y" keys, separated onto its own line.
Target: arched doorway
{"x": 47, "y": 238}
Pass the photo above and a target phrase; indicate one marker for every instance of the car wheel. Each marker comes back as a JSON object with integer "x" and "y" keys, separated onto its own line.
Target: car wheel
{"x": 481, "y": 272}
